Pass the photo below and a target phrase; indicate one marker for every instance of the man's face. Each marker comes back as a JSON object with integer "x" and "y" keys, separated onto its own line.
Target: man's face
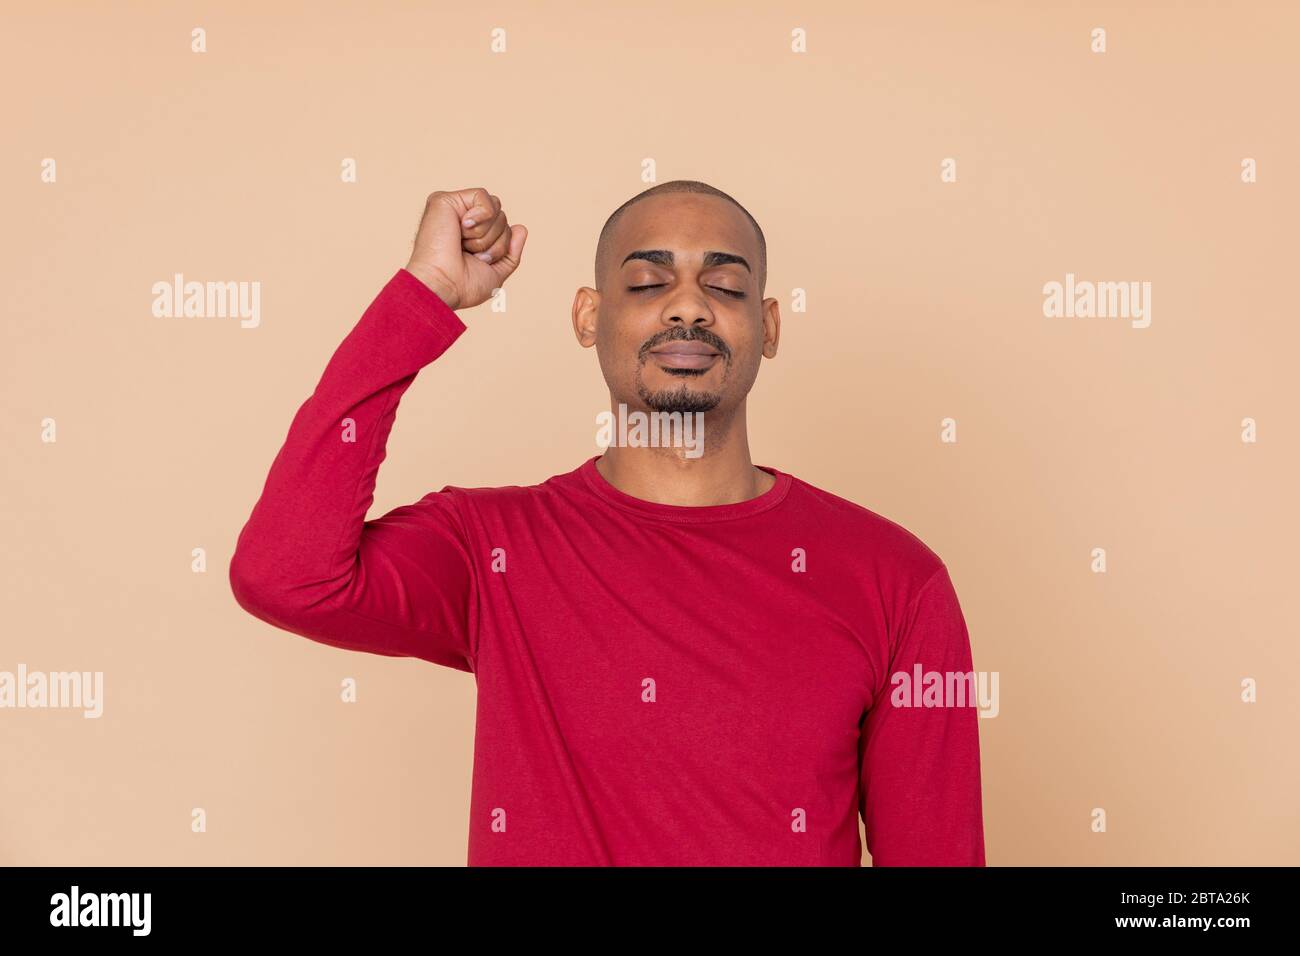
{"x": 679, "y": 325}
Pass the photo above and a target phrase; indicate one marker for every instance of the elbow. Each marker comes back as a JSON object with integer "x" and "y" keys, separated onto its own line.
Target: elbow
{"x": 263, "y": 588}
{"x": 256, "y": 590}
{"x": 247, "y": 584}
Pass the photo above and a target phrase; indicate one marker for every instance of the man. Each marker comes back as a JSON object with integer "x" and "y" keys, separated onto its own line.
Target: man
{"x": 681, "y": 658}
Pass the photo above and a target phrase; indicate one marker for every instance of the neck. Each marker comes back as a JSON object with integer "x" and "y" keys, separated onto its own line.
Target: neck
{"x": 724, "y": 474}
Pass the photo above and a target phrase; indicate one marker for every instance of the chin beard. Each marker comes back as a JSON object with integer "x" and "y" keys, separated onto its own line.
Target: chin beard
{"x": 683, "y": 399}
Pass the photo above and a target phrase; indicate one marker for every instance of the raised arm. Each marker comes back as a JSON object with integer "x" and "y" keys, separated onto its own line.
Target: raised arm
{"x": 307, "y": 561}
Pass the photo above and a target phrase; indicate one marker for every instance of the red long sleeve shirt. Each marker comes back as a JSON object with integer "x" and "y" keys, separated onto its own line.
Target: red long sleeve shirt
{"x": 657, "y": 684}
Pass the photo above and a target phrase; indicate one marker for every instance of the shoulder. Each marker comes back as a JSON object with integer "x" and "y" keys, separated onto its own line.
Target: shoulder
{"x": 500, "y": 497}
{"x": 893, "y": 551}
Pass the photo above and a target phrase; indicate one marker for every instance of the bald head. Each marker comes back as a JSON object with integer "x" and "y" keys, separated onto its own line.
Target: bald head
{"x": 604, "y": 246}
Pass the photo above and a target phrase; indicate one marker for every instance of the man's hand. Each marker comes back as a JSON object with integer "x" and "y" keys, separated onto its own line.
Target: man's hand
{"x": 465, "y": 248}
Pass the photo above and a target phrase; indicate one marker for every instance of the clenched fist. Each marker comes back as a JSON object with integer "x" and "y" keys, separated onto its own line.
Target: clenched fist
{"x": 465, "y": 248}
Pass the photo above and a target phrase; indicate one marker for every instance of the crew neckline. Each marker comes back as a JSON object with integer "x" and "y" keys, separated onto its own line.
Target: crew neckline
{"x": 686, "y": 514}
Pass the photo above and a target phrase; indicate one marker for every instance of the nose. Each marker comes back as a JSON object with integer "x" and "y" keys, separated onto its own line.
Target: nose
{"x": 689, "y": 310}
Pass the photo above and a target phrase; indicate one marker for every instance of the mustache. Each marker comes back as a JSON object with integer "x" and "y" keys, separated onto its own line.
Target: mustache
{"x": 679, "y": 334}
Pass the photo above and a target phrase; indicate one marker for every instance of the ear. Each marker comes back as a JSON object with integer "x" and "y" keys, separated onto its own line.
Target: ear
{"x": 586, "y": 313}
{"x": 771, "y": 327}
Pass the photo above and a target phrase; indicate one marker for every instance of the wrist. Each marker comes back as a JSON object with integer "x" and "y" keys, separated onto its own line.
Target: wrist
{"x": 436, "y": 283}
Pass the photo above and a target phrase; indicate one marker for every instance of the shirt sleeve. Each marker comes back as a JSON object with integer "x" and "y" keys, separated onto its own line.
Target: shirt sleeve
{"x": 307, "y": 560}
{"x": 920, "y": 765}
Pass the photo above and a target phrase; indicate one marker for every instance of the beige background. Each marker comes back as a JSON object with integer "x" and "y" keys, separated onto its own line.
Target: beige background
{"x": 1119, "y": 691}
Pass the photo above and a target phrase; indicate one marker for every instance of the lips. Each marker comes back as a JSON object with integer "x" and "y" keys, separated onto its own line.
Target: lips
{"x": 685, "y": 354}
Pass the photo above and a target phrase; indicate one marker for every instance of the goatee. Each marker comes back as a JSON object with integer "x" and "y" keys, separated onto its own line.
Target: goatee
{"x": 681, "y": 399}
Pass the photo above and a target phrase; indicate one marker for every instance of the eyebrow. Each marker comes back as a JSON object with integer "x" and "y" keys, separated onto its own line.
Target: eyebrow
{"x": 664, "y": 257}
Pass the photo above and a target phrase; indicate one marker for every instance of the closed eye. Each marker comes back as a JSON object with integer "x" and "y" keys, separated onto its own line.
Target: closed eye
{"x": 731, "y": 292}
